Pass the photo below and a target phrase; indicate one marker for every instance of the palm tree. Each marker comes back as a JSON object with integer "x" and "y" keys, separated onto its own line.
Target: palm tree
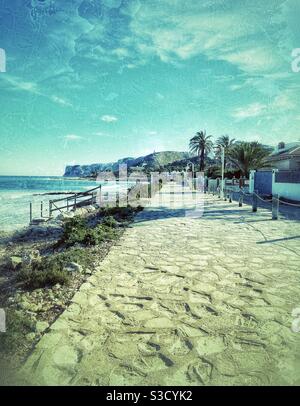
{"x": 201, "y": 144}
{"x": 224, "y": 142}
{"x": 248, "y": 155}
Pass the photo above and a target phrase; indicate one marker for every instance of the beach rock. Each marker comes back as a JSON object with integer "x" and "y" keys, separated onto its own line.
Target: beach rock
{"x": 38, "y": 221}
{"x": 91, "y": 209}
{"x": 73, "y": 267}
{"x": 51, "y": 230}
{"x": 26, "y": 305}
{"x": 29, "y": 257}
{"x": 65, "y": 215}
{"x": 30, "y": 336}
{"x": 55, "y": 222}
{"x": 81, "y": 211}
{"x": 38, "y": 230}
{"x": 41, "y": 326}
{"x": 15, "y": 262}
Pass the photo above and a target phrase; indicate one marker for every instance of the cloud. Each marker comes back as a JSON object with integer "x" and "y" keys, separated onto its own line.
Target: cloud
{"x": 61, "y": 101}
{"x": 101, "y": 134}
{"x": 109, "y": 119}
{"x": 72, "y": 137}
{"x": 252, "y": 110}
{"x": 240, "y": 36}
{"x": 279, "y": 107}
{"x": 16, "y": 84}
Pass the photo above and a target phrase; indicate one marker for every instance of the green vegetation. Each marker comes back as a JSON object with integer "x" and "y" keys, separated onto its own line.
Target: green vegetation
{"x": 248, "y": 155}
{"x": 224, "y": 142}
{"x": 77, "y": 230}
{"x": 48, "y": 272}
{"x": 201, "y": 144}
{"x": 51, "y": 270}
{"x": 17, "y": 325}
{"x": 87, "y": 232}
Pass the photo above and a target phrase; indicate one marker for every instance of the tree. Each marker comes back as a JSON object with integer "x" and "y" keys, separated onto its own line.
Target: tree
{"x": 224, "y": 142}
{"x": 249, "y": 155}
{"x": 201, "y": 145}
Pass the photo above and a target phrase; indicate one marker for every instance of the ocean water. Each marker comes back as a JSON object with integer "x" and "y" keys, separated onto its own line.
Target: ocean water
{"x": 16, "y": 192}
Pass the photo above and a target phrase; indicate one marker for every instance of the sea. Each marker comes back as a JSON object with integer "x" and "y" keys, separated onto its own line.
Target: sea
{"x": 17, "y": 192}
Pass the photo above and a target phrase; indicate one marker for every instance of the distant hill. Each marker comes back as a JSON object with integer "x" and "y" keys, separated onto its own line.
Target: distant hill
{"x": 154, "y": 161}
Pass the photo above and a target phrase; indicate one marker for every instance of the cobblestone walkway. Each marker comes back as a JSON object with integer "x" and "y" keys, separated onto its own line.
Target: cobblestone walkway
{"x": 182, "y": 300}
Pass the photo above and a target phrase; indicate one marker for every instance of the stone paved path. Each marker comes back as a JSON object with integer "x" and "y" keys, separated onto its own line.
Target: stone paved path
{"x": 183, "y": 301}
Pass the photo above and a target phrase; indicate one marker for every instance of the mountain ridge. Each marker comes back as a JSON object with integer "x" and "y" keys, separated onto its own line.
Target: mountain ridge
{"x": 151, "y": 161}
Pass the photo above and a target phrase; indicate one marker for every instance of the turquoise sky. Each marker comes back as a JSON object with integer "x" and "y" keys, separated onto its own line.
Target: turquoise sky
{"x": 95, "y": 80}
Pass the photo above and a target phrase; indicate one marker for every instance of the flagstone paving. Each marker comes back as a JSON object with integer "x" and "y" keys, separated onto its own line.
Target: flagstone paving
{"x": 183, "y": 299}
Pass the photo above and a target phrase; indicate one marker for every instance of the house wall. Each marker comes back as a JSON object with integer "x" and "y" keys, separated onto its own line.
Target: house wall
{"x": 287, "y": 164}
{"x": 287, "y": 190}
{"x": 287, "y": 185}
{"x": 283, "y": 165}
{"x": 295, "y": 164}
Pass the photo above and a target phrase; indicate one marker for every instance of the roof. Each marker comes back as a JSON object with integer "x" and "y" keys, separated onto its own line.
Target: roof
{"x": 290, "y": 149}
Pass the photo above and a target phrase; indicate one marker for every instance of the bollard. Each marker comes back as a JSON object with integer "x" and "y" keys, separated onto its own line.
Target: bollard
{"x": 254, "y": 202}
{"x": 50, "y": 208}
{"x": 275, "y": 207}
{"x": 225, "y": 195}
{"x": 41, "y": 209}
{"x": 230, "y": 197}
{"x": 30, "y": 212}
{"x": 241, "y": 200}
{"x": 127, "y": 197}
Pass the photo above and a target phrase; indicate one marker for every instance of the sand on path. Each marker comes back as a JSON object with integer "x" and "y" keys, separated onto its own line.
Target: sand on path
{"x": 183, "y": 299}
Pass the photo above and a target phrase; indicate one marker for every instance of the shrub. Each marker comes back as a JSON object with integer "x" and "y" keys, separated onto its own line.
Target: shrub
{"x": 50, "y": 270}
{"x": 74, "y": 231}
{"x": 110, "y": 221}
{"x": 17, "y": 327}
{"x": 80, "y": 256}
{"x": 99, "y": 234}
{"x": 35, "y": 278}
{"x": 78, "y": 231}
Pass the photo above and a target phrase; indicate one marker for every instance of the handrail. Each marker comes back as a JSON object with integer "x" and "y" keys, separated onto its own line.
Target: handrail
{"x": 90, "y": 192}
{"x": 76, "y": 195}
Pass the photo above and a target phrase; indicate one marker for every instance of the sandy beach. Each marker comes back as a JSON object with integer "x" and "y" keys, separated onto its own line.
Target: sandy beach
{"x": 183, "y": 301}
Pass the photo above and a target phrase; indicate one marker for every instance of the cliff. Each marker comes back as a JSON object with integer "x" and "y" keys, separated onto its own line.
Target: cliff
{"x": 152, "y": 161}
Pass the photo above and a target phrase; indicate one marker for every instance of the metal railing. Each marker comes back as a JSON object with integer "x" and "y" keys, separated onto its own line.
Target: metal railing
{"x": 71, "y": 202}
{"x": 76, "y": 200}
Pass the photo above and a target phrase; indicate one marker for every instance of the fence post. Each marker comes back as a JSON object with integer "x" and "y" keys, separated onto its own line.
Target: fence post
{"x": 275, "y": 207}
{"x": 241, "y": 200}
{"x": 30, "y": 212}
{"x": 254, "y": 202}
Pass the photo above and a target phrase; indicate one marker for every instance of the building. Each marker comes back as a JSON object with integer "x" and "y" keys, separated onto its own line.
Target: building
{"x": 286, "y": 157}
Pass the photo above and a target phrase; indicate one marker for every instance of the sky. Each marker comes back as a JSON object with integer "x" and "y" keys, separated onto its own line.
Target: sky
{"x": 90, "y": 81}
